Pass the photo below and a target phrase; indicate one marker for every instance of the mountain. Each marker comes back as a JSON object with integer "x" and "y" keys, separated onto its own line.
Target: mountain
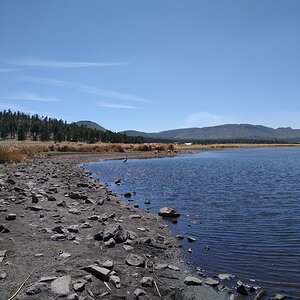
{"x": 224, "y": 132}
{"x": 90, "y": 124}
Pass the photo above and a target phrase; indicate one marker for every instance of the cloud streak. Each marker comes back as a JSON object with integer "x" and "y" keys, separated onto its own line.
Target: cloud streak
{"x": 30, "y": 97}
{"x": 117, "y": 106}
{"x": 88, "y": 89}
{"x": 55, "y": 64}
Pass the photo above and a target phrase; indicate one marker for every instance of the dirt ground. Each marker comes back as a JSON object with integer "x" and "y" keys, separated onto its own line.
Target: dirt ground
{"x": 55, "y": 221}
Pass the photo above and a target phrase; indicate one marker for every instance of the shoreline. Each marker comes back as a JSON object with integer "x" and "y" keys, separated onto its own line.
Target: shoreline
{"x": 56, "y": 210}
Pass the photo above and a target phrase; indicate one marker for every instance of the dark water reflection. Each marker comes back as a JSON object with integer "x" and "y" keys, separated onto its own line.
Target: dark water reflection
{"x": 248, "y": 202}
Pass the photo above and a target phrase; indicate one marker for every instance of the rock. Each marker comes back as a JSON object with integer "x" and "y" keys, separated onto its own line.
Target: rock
{"x": 65, "y": 255}
{"x": 211, "y": 281}
{"x": 115, "y": 280}
{"x": 60, "y": 286}
{"x": 134, "y": 216}
{"x": 118, "y": 181}
{"x": 278, "y": 297}
{"x": 139, "y": 292}
{"x": 116, "y": 232}
{"x": 160, "y": 266}
{"x": 174, "y": 268}
{"x": 11, "y": 217}
{"x": 62, "y": 204}
{"x": 59, "y": 229}
{"x": 2, "y": 255}
{"x": 168, "y": 212}
{"x": 35, "y": 208}
{"x": 98, "y": 236}
{"x": 147, "y": 202}
{"x": 75, "y": 195}
{"x": 241, "y": 289}
{"x": 93, "y": 218}
{"x": 47, "y": 278}
{"x": 191, "y": 239}
{"x": 127, "y": 195}
{"x": 190, "y": 280}
{"x": 147, "y": 281}
{"x": 73, "y": 296}
{"x": 135, "y": 260}
{"x": 260, "y": 295}
{"x": 100, "y": 202}
{"x": 179, "y": 237}
{"x": 86, "y": 225}
{"x": 73, "y": 228}
{"x": 58, "y": 237}
{"x": 4, "y": 229}
{"x": 108, "y": 264}
{"x": 224, "y": 276}
{"x": 99, "y": 272}
{"x": 51, "y": 198}
{"x": 74, "y": 211}
{"x": 127, "y": 247}
{"x": 110, "y": 243}
{"x": 37, "y": 288}
{"x": 3, "y": 275}
{"x": 79, "y": 286}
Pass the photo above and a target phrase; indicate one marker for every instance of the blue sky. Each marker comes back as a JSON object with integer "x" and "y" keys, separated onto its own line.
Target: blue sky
{"x": 152, "y": 65}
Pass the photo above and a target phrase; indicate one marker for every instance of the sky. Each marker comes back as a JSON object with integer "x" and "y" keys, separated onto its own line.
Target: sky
{"x": 152, "y": 65}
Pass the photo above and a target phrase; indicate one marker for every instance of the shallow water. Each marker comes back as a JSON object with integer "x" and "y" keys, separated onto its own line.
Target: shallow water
{"x": 244, "y": 205}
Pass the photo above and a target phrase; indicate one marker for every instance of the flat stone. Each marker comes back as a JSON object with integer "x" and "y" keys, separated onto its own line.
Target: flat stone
{"x": 115, "y": 280}
{"x": 108, "y": 264}
{"x": 99, "y": 272}
{"x": 127, "y": 248}
{"x": 73, "y": 228}
{"x": 190, "y": 280}
{"x": 60, "y": 286}
{"x": 211, "y": 281}
{"x": 74, "y": 211}
{"x": 86, "y": 225}
{"x": 116, "y": 232}
{"x": 160, "y": 266}
{"x": 11, "y": 217}
{"x": 58, "y": 237}
{"x": 168, "y": 212}
{"x": 3, "y": 275}
{"x": 93, "y": 218}
{"x": 37, "y": 288}
{"x": 174, "y": 268}
{"x": 35, "y": 208}
{"x": 147, "y": 281}
{"x": 65, "y": 255}
{"x": 135, "y": 260}
{"x": 191, "y": 239}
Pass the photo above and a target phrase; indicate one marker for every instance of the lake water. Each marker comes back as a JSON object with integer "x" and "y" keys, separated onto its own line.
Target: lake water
{"x": 244, "y": 205}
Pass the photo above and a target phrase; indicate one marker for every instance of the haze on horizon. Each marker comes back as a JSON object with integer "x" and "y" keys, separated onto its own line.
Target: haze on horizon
{"x": 152, "y": 65}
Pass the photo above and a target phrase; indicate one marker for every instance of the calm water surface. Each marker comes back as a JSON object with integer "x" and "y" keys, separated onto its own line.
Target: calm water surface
{"x": 248, "y": 202}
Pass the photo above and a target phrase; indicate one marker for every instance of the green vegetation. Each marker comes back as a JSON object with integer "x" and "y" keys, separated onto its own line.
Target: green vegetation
{"x": 17, "y": 125}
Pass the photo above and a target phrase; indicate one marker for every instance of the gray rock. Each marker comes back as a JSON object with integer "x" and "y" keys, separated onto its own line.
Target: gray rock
{"x": 224, "y": 276}
{"x": 74, "y": 211}
{"x": 2, "y": 255}
{"x": 35, "y": 208}
{"x": 135, "y": 260}
{"x": 3, "y": 275}
{"x": 179, "y": 237}
{"x": 115, "y": 280}
{"x": 110, "y": 243}
{"x": 174, "y": 268}
{"x": 168, "y": 212}
{"x": 135, "y": 217}
{"x": 98, "y": 236}
{"x": 73, "y": 228}
{"x": 11, "y": 217}
{"x": 58, "y": 237}
{"x": 79, "y": 286}
{"x": 278, "y": 297}
{"x": 86, "y": 225}
{"x": 37, "y": 288}
{"x": 59, "y": 229}
{"x": 127, "y": 248}
{"x": 60, "y": 286}
{"x": 62, "y": 204}
{"x": 191, "y": 239}
{"x": 139, "y": 292}
{"x": 116, "y": 232}
{"x": 51, "y": 198}
{"x": 99, "y": 272}
{"x": 73, "y": 296}
{"x": 93, "y": 218}
{"x": 47, "y": 278}
{"x": 108, "y": 264}
{"x": 127, "y": 195}
{"x": 160, "y": 266}
{"x": 211, "y": 281}
{"x": 241, "y": 289}
{"x": 147, "y": 281}
{"x": 190, "y": 280}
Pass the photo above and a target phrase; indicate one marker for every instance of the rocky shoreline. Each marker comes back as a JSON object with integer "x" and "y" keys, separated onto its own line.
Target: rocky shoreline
{"x": 72, "y": 238}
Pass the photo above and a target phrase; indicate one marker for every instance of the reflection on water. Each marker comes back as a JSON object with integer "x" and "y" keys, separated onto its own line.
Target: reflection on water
{"x": 243, "y": 204}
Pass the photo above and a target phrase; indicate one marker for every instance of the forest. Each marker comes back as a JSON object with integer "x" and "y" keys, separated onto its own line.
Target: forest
{"x": 21, "y": 126}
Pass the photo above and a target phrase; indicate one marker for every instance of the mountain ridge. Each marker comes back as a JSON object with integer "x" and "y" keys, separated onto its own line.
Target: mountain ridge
{"x": 224, "y": 132}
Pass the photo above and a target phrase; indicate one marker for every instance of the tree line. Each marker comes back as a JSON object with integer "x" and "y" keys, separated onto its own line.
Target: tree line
{"x": 21, "y": 126}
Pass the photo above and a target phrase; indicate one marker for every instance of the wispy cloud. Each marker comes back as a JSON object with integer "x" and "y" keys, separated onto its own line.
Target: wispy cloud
{"x": 203, "y": 119}
{"x": 58, "y": 64}
{"x": 9, "y": 106}
{"x": 8, "y": 70}
{"x": 118, "y": 106}
{"x": 88, "y": 89}
{"x": 30, "y": 97}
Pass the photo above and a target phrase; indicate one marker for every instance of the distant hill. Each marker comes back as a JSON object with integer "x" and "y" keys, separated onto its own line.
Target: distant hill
{"x": 90, "y": 124}
{"x": 224, "y": 132}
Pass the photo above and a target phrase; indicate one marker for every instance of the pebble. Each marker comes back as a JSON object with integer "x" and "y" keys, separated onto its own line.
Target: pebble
{"x": 11, "y": 217}
{"x": 139, "y": 292}
{"x": 147, "y": 281}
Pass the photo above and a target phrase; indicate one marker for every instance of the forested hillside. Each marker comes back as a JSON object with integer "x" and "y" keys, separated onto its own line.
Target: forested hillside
{"x": 21, "y": 126}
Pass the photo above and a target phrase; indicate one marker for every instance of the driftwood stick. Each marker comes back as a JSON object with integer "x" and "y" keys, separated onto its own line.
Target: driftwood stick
{"x": 157, "y": 289}
{"x": 106, "y": 284}
{"x": 21, "y": 286}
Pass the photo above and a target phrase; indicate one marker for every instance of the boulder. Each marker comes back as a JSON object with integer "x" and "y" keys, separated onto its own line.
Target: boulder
{"x": 168, "y": 212}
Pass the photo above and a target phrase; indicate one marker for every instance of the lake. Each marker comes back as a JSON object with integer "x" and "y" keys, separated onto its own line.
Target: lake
{"x": 242, "y": 206}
